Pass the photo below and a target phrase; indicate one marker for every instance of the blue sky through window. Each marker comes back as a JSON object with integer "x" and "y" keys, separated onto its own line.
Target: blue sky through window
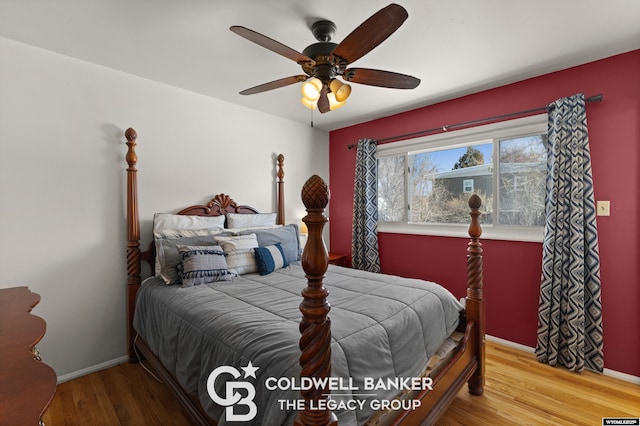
{"x": 445, "y": 159}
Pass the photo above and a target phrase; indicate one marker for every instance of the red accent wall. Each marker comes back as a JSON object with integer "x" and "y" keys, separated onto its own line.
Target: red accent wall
{"x": 512, "y": 269}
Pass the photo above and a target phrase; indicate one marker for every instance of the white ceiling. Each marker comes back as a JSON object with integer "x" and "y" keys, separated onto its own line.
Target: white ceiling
{"x": 455, "y": 47}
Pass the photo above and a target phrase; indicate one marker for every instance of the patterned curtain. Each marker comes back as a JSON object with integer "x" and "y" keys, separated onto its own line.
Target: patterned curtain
{"x": 570, "y": 310}
{"x": 364, "y": 240}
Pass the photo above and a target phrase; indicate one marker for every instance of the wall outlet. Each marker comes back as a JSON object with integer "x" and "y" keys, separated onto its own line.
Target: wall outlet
{"x": 603, "y": 208}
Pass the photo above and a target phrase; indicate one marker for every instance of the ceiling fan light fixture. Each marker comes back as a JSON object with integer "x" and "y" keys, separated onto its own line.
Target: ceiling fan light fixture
{"x": 340, "y": 90}
{"x": 311, "y": 89}
{"x": 334, "y": 103}
{"x": 312, "y": 105}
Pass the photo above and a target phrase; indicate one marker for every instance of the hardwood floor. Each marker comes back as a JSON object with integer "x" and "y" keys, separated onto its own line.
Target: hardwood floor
{"x": 121, "y": 395}
{"x": 519, "y": 391}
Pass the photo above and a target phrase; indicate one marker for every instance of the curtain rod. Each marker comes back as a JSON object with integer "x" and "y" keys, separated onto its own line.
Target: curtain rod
{"x": 594, "y": 98}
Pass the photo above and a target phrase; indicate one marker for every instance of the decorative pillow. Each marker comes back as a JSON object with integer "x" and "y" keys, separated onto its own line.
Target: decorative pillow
{"x": 287, "y": 236}
{"x": 202, "y": 265}
{"x": 270, "y": 258}
{"x": 162, "y": 221}
{"x": 166, "y": 222}
{"x": 242, "y": 262}
{"x": 239, "y": 251}
{"x": 238, "y": 220}
{"x": 237, "y": 242}
{"x": 167, "y": 255}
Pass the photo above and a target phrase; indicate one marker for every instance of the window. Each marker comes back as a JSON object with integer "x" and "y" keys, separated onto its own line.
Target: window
{"x": 391, "y": 185}
{"x": 424, "y": 184}
{"x": 523, "y": 171}
{"x": 467, "y": 186}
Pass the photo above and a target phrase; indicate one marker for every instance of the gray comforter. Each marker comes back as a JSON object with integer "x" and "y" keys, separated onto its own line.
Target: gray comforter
{"x": 382, "y": 326}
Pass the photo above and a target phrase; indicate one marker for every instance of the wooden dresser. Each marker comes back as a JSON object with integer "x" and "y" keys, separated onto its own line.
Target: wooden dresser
{"x": 27, "y": 385}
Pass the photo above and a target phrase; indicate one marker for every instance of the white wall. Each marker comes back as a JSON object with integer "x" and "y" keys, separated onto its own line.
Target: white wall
{"x": 62, "y": 184}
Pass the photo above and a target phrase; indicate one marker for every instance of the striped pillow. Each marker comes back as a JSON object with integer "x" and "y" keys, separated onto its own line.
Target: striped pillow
{"x": 270, "y": 258}
{"x": 239, "y": 252}
{"x": 242, "y": 262}
{"x": 202, "y": 265}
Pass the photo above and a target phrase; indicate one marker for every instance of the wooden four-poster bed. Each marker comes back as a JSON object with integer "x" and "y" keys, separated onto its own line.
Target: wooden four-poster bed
{"x": 321, "y": 350}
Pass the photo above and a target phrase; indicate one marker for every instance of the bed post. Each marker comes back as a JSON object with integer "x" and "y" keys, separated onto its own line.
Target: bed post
{"x": 280, "y": 190}
{"x": 315, "y": 327}
{"x": 475, "y": 301}
{"x": 133, "y": 237}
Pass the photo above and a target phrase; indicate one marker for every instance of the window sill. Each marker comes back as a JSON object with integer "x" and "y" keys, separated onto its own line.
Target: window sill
{"x": 489, "y": 232}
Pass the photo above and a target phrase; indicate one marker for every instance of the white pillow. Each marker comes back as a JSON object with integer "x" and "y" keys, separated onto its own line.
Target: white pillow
{"x": 239, "y": 242}
{"x": 239, "y": 252}
{"x": 238, "y": 220}
{"x": 162, "y": 221}
{"x": 244, "y": 231}
{"x": 242, "y": 262}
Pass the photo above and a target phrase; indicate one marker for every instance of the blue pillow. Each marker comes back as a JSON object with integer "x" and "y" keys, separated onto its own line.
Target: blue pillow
{"x": 270, "y": 258}
{"x": 286, "y": 235}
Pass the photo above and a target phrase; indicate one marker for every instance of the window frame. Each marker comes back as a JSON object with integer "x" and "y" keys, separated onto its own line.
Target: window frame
{"x": 488, "y": 133}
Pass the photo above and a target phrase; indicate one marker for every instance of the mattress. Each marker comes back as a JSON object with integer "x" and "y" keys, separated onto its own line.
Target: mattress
{"x": 383, "y": 327}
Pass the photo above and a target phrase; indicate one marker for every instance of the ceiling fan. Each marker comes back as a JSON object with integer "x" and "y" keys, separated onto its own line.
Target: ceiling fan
{"x": 322, "y": 62}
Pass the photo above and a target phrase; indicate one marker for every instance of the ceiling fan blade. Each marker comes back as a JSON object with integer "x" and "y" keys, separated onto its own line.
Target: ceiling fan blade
{"x": 268, "y": 43}
{"x": 323, "y": 102}
{"x": 371, "y": 33}
{"x": 380, "y": 78}
{"x": 274, "y": 84}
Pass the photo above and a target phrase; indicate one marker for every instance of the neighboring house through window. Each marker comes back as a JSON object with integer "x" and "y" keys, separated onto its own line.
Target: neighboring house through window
{"x": 424, "y": 183}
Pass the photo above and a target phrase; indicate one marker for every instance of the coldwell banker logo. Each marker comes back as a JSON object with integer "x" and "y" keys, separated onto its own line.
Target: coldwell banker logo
{"x": 239, "y": 393}
{"x": 233, "y": 398}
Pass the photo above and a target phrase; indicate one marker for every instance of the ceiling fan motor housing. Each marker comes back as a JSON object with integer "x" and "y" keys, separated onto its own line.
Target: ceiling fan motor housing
{"x": 326, "y": 66}
{"x": 323, "y": 30}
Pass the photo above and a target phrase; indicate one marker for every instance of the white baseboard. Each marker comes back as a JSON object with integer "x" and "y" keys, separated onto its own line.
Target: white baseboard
{"x": 607, "y": 372}
{"x": 92, "y": 369}
{"x": 622, "y": 376}
{"x": 510, "y": 344}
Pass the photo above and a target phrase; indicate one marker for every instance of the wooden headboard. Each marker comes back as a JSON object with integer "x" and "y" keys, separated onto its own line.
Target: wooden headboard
{"x": 219, "y": 205}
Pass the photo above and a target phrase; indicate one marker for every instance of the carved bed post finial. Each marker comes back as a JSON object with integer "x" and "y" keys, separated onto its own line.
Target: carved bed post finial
{"x": 281, "y": 189}
{"x": 475, "y": 301}
{"x": 133, "y": 236}
{"x": 315, "y": 327}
